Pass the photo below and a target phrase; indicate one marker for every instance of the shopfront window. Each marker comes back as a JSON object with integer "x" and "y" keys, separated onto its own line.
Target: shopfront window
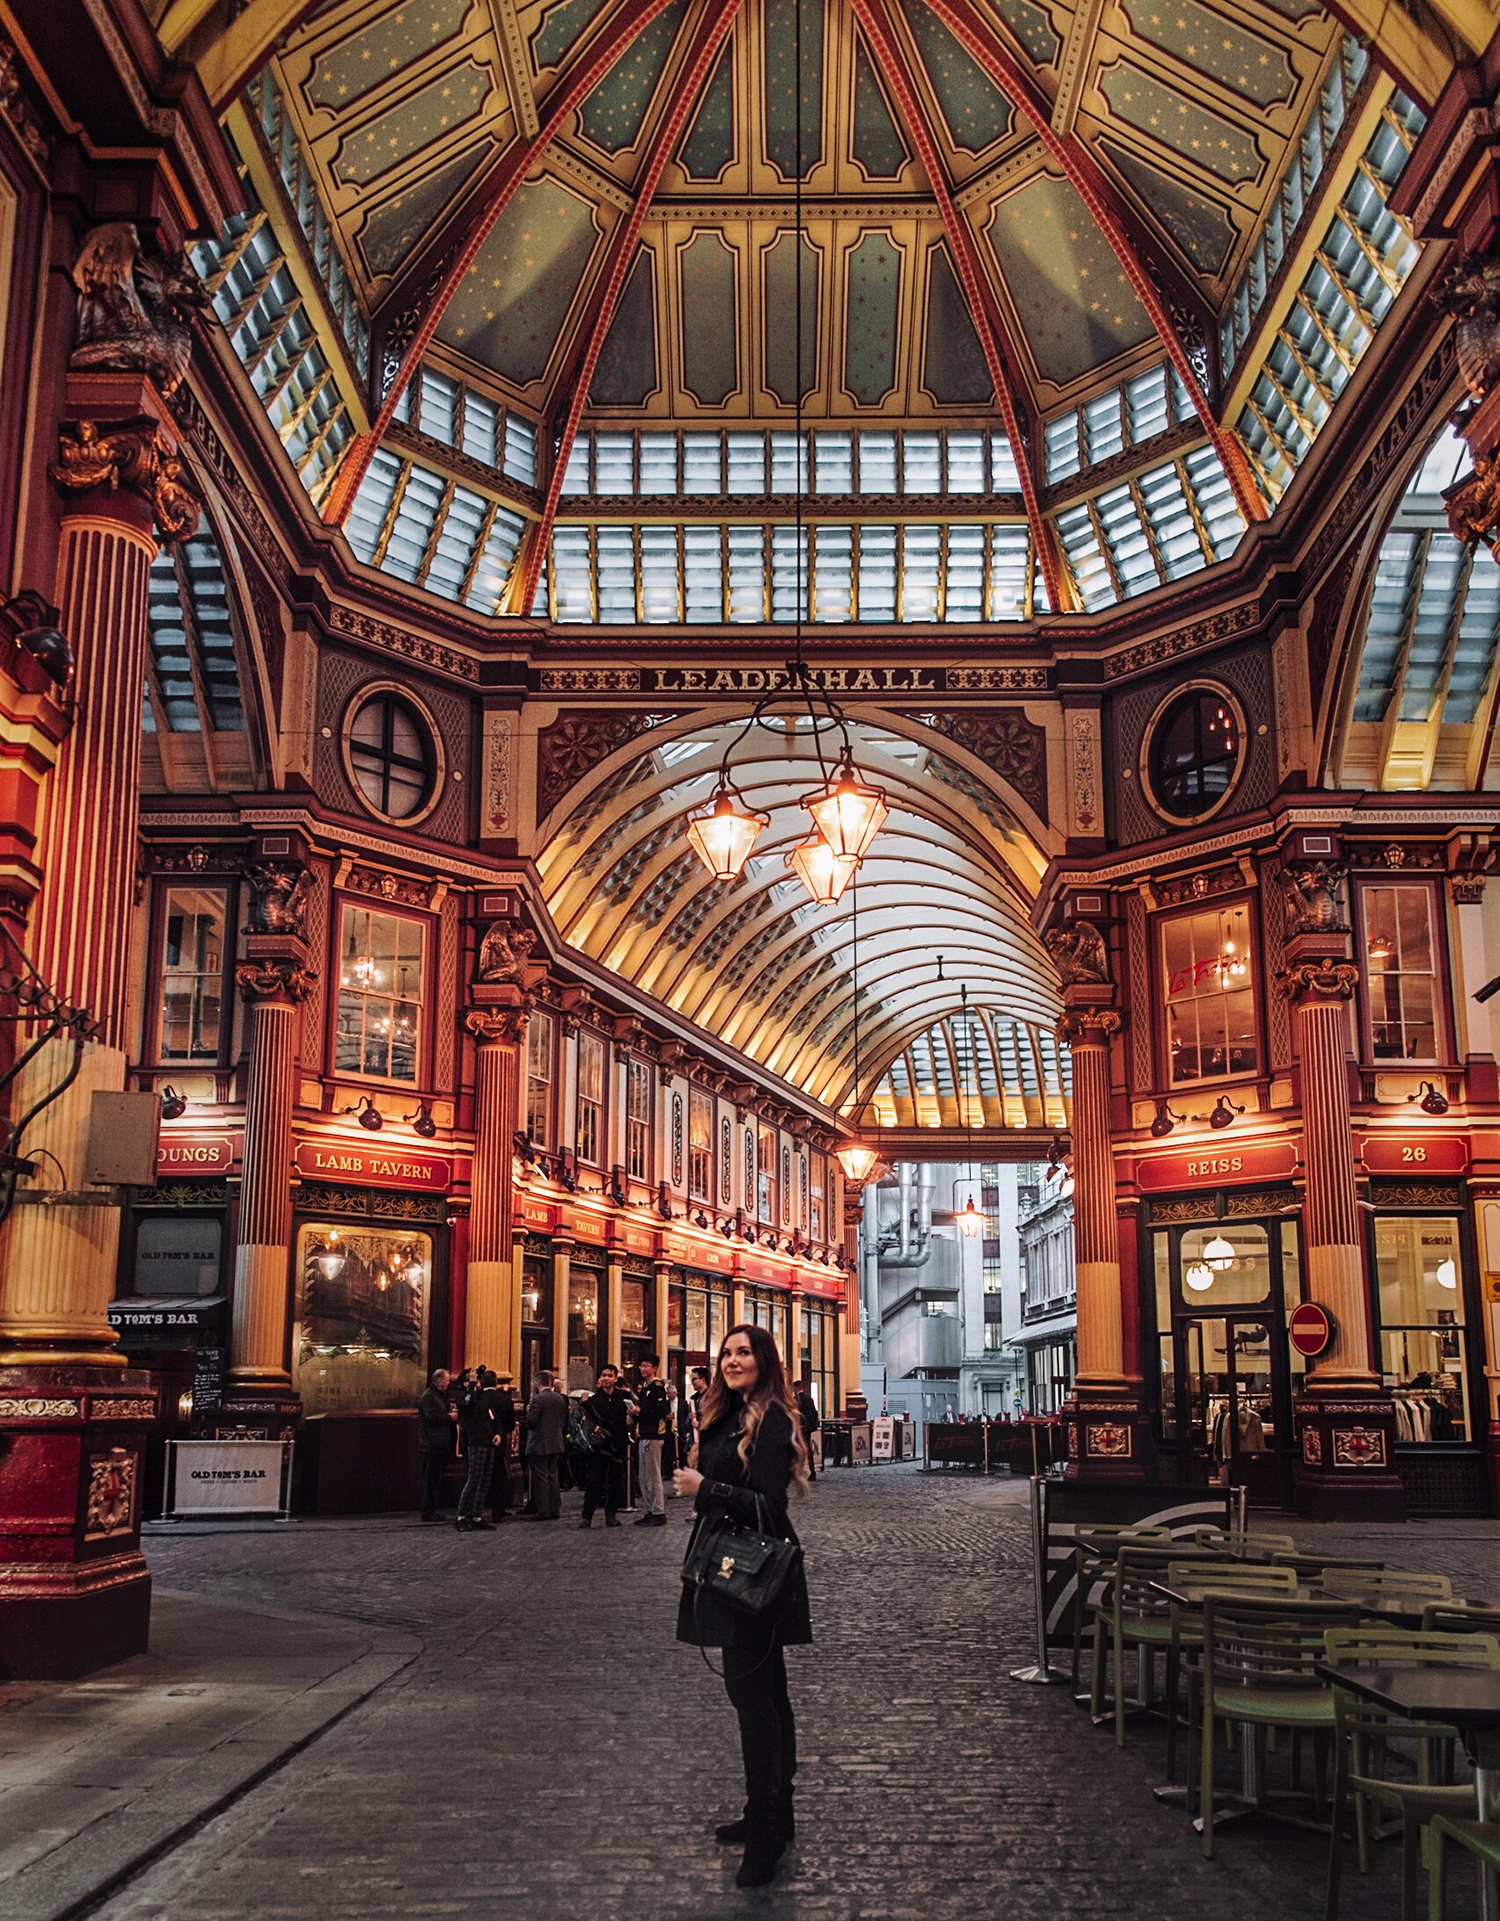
{"x": 1209, "y": 994}
{"x": 539, "y": 1079}
{"x": 700, "y": 1146}
{"x": 1400, "y": 976}
{"x": 816, "y": 1213}
{"x": 380, "y": 995}
{"x": 698, "y": 1317}
{"x": 536, "y": 1311}
{"x": 1419, "y": 1289}
{"x": 771, "y": 1309}
{"x": 588, "y": 1138}
{"x": 191, "y": 1015}
{"x": 765, "y": 1192}
{"x": 817, "y": 1353}
{"x": 638, "y": 1120}
{"x": 359, "y": 1338}
{"x": 585, "y": 1285}
{"x": 1049, "y": 1375}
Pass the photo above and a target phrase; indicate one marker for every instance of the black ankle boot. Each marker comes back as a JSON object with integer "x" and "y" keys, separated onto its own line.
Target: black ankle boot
{"x": 737, "y": 1833}
{"x": 762, "y": 1852}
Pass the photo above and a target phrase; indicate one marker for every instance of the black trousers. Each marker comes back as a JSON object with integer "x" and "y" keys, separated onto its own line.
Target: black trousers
{"x": 606, "y": 1487}
{"x": 481, "y": 1466}
{"x": 546, "y": 1493}
{"x": 756, "y": 1685}
{"x": 433, "y": 1466}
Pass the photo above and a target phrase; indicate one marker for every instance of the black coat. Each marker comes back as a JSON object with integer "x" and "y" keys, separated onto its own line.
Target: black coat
{"x": 434, "y": 1428}
{"x": 612, "y": 1413}
{"x": 729, "y": 1487}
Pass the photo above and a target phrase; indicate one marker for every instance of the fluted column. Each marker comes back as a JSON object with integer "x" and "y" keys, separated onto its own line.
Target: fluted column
{"x": 562, "y": 1268}
{"x": 491, "y": 1327}
{"x": 275, "y": 979}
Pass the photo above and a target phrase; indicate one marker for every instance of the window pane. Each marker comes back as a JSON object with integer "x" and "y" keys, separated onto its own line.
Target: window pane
{"x": 192, "y": 974}
{"x": 1209, "y": 994}
{"x": 380, "y": 990}
{"x": 1399, "y": 971}
{"x": 1213, "y": 1277}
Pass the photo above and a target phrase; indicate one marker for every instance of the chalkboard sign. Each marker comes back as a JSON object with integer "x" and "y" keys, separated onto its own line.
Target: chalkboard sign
{"x": 208, "y": 1379}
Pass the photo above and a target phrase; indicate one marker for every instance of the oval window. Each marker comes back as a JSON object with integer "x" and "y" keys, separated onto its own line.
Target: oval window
{"x": 391, "y": 756}
{"x": 1195, "y": 753}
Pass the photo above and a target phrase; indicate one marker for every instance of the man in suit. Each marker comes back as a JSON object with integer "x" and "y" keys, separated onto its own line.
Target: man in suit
{"x": 436, "y": 1421}
{"x": 546, "y": 1436}
{"x": 608, "y": 1413}
{"x": 503, "y": 1407}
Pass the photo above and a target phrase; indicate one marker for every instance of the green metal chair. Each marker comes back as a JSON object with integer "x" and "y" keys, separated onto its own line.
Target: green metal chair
{"x": 1312, "y": 1567}
{"x": 1186, "y": 1629}
{"x": 1366, "y": 1733}
{"x": 1391, "y": 1587}
{"x": 1243, "y": 1542}
{"x": 1481, "y": 1838}
{"x": 1257, "y": 1672}
{"x": 1132, "y": 1615}
{"x": 1095, "y": 1549}
{"x": 1460, "y": 1617}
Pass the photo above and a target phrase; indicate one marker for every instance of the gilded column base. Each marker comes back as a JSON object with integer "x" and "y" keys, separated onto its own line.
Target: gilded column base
{"x": 75, "y": 1591}
{"x": 1109, "y": 1433}
{"x": 1346, "y": 1467}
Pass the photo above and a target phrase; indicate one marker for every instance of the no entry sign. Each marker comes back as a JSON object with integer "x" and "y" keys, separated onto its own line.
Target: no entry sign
{"x": 1310, "y": 1329}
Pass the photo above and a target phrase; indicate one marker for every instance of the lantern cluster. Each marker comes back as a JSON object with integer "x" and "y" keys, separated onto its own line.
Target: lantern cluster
{"x": 847, "y": 814}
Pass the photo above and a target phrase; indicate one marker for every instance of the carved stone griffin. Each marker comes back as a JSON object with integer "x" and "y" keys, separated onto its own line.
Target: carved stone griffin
{"x": 1310, "y": 891}
{"x": 1474, "y": 504}
{"x": 1080, "y": 954}
{"x": 1472, "y": 293}
{"x": 134, "y": 307}
{"x": 278, "y": 897}
{"x": 503, "y": 954}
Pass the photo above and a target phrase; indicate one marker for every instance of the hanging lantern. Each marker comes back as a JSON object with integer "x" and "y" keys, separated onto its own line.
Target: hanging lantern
{"x": 1447, "y": 1274}
{"x": 1199, "y": 1277}
{"x": 821, "y": 871}
{"x": 722, "y": 838}
{"x": 970, "y": 1221}
{"x": 849, "y": 813}
{"x": 1219, "y": 1253}
{"x": 857, "y": 1161}
{"x": 330, "y": 1262}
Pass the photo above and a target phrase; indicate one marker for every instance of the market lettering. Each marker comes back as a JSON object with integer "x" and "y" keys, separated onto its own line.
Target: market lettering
{"x": 758, "y": 680}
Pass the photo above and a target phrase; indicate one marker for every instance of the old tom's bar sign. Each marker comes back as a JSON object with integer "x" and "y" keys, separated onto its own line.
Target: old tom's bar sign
{"x": 370, "y": 1167}
{"x": 1216, "y": 1165}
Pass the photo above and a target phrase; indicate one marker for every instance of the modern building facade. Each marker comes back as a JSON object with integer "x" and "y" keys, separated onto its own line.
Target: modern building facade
{"x": 603, "y": 601}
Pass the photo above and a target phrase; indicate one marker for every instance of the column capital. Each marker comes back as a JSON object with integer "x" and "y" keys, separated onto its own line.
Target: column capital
{"x": 139, "y": 455}
{"x": 495, "y": 1023}
{"x": 1320, "y": 978}
{"x": 276, "y": 967}
{"x": 1086, "y": 1026}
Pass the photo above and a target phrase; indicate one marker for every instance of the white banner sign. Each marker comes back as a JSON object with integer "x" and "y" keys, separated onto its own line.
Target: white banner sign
{"x": 228, "y": 1477}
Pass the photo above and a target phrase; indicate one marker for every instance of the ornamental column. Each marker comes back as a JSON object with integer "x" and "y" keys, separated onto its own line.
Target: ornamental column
{"x": 499, "y": 1004}
{"x": 275, "y": 977}
{"x": 1346, "y": 1423}
{"x": 1108, "y": 1435}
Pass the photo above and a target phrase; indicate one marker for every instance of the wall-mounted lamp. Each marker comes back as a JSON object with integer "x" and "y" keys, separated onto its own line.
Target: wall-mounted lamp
{"x": 1432, "y": 1101}
{"x": 422, "y": 1122}
{"x": 32, "y": 624}
{"x": 367, "y": 1114}
{"x": 1164, "y": 1120}
{"x": 664, "y": 1201}
{"x": 173, "y": 1104}
{"x": 1224, "y": 1112}
{"x": 700, "y": 1219}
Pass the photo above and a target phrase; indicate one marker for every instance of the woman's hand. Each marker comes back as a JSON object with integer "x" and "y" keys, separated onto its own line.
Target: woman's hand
{"x": 687, "y": 1481}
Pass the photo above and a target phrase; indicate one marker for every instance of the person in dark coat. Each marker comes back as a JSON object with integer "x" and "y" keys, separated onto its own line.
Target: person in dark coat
{"x": 436, "y": 1421}
{"x": 547, "y": 1437}
{"x": 608, "y": 1414}
{"x": 750, "y": 1457}
{"x": 807, "y": 1408}
{"x": 503, "y": 1408}
{"x": 476, "y": 1420}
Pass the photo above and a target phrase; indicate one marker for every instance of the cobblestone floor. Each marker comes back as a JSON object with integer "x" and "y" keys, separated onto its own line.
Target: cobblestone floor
{"x": 554, "y": 1752}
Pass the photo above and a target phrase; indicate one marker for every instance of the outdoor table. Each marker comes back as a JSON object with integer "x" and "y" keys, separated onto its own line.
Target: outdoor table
{"x": 1464, "y": 1698}
{"x": 1189, "y": 1594}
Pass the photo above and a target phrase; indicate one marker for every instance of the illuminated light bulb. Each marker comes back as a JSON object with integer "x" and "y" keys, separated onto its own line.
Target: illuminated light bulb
{"x": 970, "y": 1221}
{"x": 849, "y": 813}
{"x": 1219, "y": 1253}
{"x": 856, "y": 1160}
{"x": 331, "y": 1261}
{"x": 1447, "y": 1274}
{"x": 1199, "y": 1277}
{"x": 821, "y": 871}
{"x": 722, "y": 838}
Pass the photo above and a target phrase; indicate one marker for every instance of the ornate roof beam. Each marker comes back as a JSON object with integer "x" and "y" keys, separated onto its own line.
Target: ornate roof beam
{"x": 494, "y": 196}
{"x": 709, "y": 36}
{"x": 975, "y": 34}
{"x": 966, "y": 259}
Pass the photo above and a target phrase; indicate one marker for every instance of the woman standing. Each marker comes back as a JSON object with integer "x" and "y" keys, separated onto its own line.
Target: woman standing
{"x": 750, "y": 1444}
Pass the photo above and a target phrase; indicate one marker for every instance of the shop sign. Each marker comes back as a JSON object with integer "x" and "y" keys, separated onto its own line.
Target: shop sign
{"x": 771, "y": 1271}
{"x": 585, "y": 1227}
{"x": 635, "y": 1241}
{"x": 1492, "y": 1287}
{"x": 228, "y": 1477}
{"x": 178, "y": 1254}
{"x": 831, "y": 1285}
{"x": 194, "y": 1153}
{"x": 538, "y": 1214}
{"x": 1217, "y": 1165}
{"x": 1416, "y": 1154}
{"x": 1310, "y": 1329}
{"x": 693, "y": 1254}
{"x": 371, "y": 1167}
{"x": 883, "y": 1438}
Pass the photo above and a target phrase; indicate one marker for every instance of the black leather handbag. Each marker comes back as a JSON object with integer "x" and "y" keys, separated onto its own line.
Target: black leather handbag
{"x": 746, "y": 1568}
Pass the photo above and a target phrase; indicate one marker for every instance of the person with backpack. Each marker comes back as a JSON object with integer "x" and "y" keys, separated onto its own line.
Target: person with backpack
{"x": 653, "y": 1424}
{"x": 607, "y": 1415}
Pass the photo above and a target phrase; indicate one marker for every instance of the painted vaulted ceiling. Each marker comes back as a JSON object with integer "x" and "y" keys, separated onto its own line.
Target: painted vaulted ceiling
{"x": 1162, "y": 128}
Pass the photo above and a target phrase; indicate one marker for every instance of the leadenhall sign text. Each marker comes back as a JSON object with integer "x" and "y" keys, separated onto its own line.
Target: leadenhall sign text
{"x": 758, "y": 680}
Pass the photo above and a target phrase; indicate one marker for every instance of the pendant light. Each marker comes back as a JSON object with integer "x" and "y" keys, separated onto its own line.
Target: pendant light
{"x": 970, "y": 1221}
{"x": 853, "y": 1155}
{"x": 1219, "y": 1253}
{"x": 848, "y": 812}
{"x": 821, "y": 871}
{"x": 1199, "y": 1277}
{"x": 723, "y": 836}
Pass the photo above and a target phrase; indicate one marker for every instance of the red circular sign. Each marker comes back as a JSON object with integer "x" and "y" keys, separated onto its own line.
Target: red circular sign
{"x": 1310, "y": 1329}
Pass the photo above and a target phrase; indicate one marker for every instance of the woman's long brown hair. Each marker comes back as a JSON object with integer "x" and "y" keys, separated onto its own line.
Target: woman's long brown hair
{"x": 771, "y": 1385}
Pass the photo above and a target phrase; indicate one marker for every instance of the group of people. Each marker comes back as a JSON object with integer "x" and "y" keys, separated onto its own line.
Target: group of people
{"x": 564, "y": 1441}
{"x": 738, "y": 1447}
